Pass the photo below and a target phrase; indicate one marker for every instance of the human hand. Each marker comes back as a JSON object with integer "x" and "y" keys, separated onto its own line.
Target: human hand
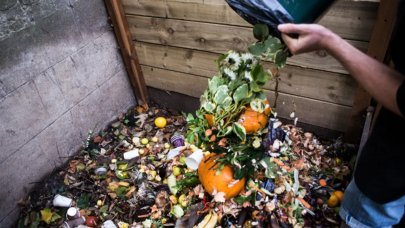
{"x": 311, "y": 37}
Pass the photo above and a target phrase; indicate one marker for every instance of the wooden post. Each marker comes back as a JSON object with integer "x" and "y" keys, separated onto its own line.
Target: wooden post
{"x": 128, "y": 52}
{"x": 378, "y": 45}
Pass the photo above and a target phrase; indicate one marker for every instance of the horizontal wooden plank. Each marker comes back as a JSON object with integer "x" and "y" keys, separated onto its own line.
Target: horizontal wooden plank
{"x": 309, "y": 111}
{"x": 218, "y": 39}
{"x": 320, "y": 85}
{"x": 350, "y": 19}
{"x": 190, "y": 85}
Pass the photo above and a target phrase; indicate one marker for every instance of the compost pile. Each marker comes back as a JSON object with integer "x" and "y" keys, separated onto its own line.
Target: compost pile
{"x": 232, "y": 163}
{"x": 297, "y": 187}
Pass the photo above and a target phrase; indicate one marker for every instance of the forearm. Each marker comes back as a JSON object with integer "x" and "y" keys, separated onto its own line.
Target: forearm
{"x": 376, "y": 78}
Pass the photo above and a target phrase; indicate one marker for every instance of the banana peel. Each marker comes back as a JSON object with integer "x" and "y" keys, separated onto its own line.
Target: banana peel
{"x": 209, "y": 221}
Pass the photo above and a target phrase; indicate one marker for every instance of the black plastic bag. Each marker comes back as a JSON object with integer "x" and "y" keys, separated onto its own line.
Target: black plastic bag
{"x": 268, "y": 12}
{"x": 275, "y": 12}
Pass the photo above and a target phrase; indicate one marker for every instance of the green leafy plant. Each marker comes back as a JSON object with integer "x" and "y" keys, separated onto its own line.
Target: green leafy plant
{"x": 238, "y": 85}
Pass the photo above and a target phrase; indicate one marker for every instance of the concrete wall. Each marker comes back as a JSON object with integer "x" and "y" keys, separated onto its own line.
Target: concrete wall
{"x": 61, "y": 75}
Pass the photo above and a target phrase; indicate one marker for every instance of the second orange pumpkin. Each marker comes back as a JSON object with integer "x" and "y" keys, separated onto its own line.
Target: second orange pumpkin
{"x": 252, "y": 121}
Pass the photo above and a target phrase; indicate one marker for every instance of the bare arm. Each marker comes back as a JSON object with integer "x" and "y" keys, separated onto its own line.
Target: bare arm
{"x": 376, "y": 78}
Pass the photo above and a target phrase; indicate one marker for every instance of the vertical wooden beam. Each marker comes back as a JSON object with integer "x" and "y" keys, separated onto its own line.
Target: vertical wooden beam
{"x": 129, "y": 55}
{"x": 378, "y": 46}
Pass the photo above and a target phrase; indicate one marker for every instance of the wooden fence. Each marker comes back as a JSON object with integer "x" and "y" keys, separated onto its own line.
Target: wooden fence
{"x": 178, "y": 41}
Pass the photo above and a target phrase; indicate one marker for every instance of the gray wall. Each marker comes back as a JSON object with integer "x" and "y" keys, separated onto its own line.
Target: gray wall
{"x": 61, "y": 75}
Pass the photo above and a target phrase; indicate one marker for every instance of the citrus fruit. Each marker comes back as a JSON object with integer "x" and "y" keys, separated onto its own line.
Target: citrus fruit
{"x": 160, "y": 122}
{"x": 213, "y": 179}
{"x": 333, "y": 201}
{"x": 144, "y": 141}
{"x": 322, "y": 182}
{"x": 339, "y": 194}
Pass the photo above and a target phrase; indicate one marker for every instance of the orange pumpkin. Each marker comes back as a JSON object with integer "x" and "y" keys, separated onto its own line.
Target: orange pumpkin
{"x": 252, "y": 121}
{"x": 224, "y": 182}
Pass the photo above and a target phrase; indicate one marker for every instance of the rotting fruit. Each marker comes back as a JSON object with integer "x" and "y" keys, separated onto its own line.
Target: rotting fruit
{"x": 214, "y": 180}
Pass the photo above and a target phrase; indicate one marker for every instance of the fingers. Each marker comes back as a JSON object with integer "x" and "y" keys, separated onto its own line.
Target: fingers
{"x": 289, "y": 28}
{"x": 290, "y": 42}
{"x": 298, "y": 28}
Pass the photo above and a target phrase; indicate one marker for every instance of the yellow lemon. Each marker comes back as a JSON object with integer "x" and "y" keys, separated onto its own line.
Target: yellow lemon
{"x": 160, "y": 122}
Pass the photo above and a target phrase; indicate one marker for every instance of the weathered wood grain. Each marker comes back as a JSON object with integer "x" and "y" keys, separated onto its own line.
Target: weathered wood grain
{"x": 178, "y": 42}
{"x": 218, "y": 39}
{"x": 320, "y": 85}
{"x": 350, "y": 19}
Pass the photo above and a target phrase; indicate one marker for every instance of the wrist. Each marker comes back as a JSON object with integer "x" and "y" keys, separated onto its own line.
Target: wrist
{"x": 331, "y": 42}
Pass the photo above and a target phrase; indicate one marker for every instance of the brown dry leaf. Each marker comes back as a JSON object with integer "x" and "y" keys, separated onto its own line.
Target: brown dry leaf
{"x": 299, "y": 164}
{"x": 66, "y": 180}
{"x": 72, "y": 166}
{"x": 113, "y": 186}
{"x": 141, "y": 109}
{"x": 129, "y": 193}
{"x": 112, "y": 195}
